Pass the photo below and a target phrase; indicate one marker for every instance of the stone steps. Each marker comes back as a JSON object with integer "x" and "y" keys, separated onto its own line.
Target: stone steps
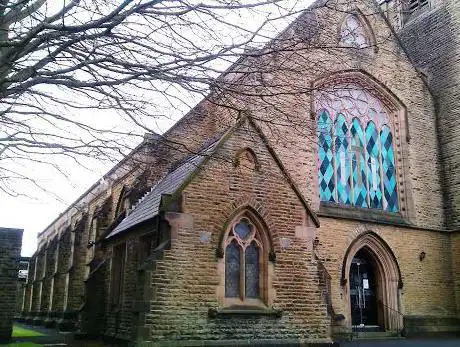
{"x": 376, "y": 335}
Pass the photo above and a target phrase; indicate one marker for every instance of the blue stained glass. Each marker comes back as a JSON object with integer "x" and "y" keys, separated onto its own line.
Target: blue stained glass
{"x": 252, "y": 271}
{"x": 326, "y": 168}
{"x": 232, "y": 270}
{"x": 373, "y": 166}
{"x": 342, "y": 162}
{"x": 358, "y": 165}
{"x": 242, "y": 229}
{"x": 389, "y": 172}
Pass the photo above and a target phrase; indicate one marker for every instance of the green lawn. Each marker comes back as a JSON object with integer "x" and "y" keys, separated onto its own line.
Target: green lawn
{"x": 21, "y": 332}
{"x": 23, "y": 344}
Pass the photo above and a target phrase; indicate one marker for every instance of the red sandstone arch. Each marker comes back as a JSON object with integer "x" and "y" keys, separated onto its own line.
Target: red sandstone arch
{"x": 388, "y": 277}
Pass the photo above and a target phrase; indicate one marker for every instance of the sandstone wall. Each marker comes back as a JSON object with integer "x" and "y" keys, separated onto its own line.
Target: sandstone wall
{"x": 295, "y": 139}
{"x": 187, "y": 278}
{"x": 432, "y": 41}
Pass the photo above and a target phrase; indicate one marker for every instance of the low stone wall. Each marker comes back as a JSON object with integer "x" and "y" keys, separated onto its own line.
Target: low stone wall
{"x": 10, "y": 251}
{"x": 431, "y": 325}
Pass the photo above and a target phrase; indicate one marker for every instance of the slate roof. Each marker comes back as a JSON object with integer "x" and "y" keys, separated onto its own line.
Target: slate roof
{"x": 149, "y": 206}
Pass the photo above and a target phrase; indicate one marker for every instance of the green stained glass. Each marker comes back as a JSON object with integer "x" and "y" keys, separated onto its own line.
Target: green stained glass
{"x": 358, "y": 164}
{"x": 373, "y": 166}
{"x": 325, "y": 158}
{"x": 389, "y": 172}
{"x": 342, "y": 160}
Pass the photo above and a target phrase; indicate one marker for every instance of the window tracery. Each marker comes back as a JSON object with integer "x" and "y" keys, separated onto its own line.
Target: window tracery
{"x": 356, "y": 156}
{"x": 352, "y": 32}
{"x": 243, "y": 261}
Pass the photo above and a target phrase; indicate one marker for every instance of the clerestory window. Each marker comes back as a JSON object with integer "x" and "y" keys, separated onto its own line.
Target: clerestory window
{"x": 356, "y": 159}
{"x": 243, "y": 261}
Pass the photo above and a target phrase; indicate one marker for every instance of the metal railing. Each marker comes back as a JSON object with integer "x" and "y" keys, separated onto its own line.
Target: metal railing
{"x": 394, "y": 320}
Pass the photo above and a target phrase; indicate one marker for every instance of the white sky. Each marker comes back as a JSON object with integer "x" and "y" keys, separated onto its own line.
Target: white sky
{"x": 35, "y": 212}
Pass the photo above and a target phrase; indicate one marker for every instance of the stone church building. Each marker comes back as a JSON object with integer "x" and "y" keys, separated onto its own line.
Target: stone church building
{"x": 316, "y": 193}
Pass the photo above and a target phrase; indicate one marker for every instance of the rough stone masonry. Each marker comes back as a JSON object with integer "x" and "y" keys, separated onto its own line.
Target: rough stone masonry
{"x": 10, "y": 252}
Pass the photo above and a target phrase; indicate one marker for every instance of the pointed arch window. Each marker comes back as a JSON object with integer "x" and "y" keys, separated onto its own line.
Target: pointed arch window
{"x": 359, "y": 169}
{"x": 245, "y": 263}
{"x": 123, "y": 202}
{"x": 92, "y": 237}
{"x": 353, "y": 33}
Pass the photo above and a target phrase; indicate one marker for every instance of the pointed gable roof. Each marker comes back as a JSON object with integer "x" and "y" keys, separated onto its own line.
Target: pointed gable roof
{"x": 175, "y": 181}
{"x": 149, "y": 206}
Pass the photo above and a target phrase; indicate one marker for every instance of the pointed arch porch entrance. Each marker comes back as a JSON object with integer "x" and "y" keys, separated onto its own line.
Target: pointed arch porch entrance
{"x": 372, "y": 281}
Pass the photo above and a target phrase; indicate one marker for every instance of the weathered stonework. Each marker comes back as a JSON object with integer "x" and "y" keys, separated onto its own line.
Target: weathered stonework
{"x": 10, "y": 253}
{"x": 161, "y": 280}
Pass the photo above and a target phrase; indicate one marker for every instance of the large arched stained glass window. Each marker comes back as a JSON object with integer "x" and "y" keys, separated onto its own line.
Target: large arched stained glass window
{"x": 356, "y": 160}
{"x": 243, "y": 261}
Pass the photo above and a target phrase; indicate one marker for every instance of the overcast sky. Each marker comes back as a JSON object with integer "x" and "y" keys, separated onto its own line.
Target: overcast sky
{"x": 39, "y": 207}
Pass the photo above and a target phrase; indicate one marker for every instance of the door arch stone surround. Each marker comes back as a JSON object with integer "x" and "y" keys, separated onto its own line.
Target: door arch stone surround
{"x": 388, "y": 278}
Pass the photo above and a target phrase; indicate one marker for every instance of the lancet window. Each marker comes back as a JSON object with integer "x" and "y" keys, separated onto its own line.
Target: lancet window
{"x": 243, "y": 261}
{"x": 352, "y": 32}
{"x": 356, "y": 159}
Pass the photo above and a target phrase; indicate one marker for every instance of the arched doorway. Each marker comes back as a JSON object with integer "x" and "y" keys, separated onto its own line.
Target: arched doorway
{"x": 364, "y": 292}
{"x": 372, "y": 279}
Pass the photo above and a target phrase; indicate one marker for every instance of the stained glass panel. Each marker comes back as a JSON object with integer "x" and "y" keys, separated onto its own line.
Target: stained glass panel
{"x": 373, "y": 166}
{"x": 358, "y": 165}
{"x": 342, "y": 162}
{"x": 389, "y": 172}
{"x": 252, "y": 271}
{"x": 232, "y": 270}
{"x": 326, "y": 168}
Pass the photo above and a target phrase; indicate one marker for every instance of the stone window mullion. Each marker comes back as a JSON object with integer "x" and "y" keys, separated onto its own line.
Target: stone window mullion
{"x": 242, "y": 274}
{"x": 367, "y": 158}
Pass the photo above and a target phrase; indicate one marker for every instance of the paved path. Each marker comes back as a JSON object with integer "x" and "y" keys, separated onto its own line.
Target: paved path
{"x": 54, "y": 338}
{"x": 443, "y": 342}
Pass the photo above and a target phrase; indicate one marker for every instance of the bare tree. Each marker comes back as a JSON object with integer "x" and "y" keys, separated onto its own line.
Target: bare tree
{"x": 137, "y": 62}
{"x": 87, "y": 78}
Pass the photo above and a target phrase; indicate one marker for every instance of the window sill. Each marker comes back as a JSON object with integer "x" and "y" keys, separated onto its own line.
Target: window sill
{"x": 361, "y": 214}
{"x": 246, "y": 311}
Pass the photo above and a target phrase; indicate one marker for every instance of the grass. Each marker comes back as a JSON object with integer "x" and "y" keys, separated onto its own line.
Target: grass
{"x": 23, "y": 344}
{"x": 21, "y": 332}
